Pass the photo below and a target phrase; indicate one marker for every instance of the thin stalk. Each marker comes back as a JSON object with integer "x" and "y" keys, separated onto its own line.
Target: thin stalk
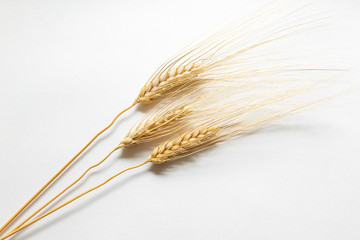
{"x": 68, "y": 187}
{"x": 69, "y": 201}
{"x": 37, "y": 194}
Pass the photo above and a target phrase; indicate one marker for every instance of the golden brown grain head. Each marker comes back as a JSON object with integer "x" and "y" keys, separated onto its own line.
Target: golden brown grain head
{"x": 168, "y": 79}
{"x": 235, "y": 51}
{"x": 159, "y": 125}
{"x": 185, "y": 143}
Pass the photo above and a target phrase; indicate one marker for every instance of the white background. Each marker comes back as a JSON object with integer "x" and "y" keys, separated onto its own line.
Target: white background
{"x": 66, "y": 69}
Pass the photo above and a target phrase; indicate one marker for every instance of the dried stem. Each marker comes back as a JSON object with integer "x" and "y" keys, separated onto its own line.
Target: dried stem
{"x": 67, "y": 188}
{"x": 47, "y": 184}
{"x": 69, "y": 201}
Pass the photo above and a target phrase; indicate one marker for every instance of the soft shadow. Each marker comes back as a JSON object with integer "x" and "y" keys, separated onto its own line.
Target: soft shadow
{"x": 282, "y": 127}
{"x": 162, "y": 169}
{"x": 145, "y": 107}
{"x": 139, "y": 150}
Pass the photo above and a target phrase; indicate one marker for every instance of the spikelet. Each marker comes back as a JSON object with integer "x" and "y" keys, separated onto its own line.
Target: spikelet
{"x": 184, "y": 143}
{"x": 158, "y": 125}
{"x": 169, "y": 79}
{"x": 233, "y": 52}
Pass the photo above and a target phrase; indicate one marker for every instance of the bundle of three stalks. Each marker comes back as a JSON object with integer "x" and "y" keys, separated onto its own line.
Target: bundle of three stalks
{"x": 202, "y": 121}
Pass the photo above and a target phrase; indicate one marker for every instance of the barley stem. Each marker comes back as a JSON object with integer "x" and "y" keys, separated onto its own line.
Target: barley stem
{"x": 39, "y": 192}
{"x": 69, "y": 201}
{"x": 67, "y": 188}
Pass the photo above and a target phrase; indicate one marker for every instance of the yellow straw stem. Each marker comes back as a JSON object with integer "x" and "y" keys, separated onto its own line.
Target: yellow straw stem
{"x": 31, "y": 200}
{"x": 69, "y": 201}
{"x": 67, "y": 188}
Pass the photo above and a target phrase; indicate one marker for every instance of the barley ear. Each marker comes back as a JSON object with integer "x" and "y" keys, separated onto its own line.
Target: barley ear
{"x": 167, "y": 79}
{"x": 182, "y": 145}
{"x": 159, "y": 125}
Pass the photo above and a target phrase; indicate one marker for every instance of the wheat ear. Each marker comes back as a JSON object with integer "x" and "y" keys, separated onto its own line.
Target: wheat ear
{"x": 178, "y": 146}
{"x": 159, "y": 123}
{"x": 168, "y": 79}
